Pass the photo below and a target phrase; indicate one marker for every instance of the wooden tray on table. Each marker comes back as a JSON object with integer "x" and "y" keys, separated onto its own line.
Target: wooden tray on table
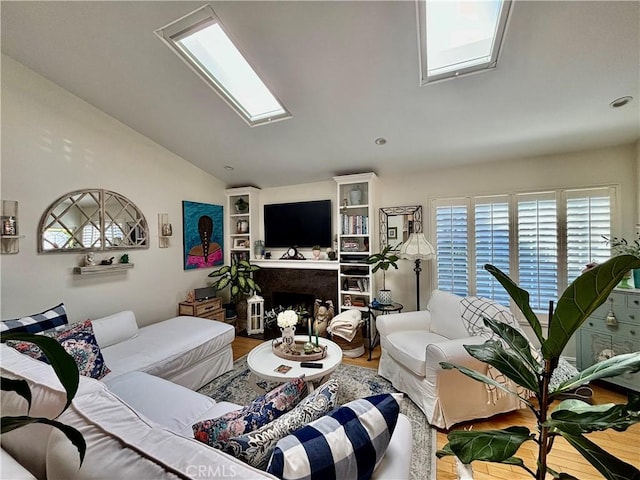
{"x": 318, "y": 354}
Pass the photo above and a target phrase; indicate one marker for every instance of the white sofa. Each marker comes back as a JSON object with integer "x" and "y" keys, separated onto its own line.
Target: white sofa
{"x": 136, "y": 425}
{"x": 413, "y": 345}
{"x": 189, "y": 351}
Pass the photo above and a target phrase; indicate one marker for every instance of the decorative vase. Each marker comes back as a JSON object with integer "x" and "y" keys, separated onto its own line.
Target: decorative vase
{"x": 288, "y": 338}
{"x": 355, "y": 196}
{"x": 625, "y": 281}
{"x": 384, "y": 297}
{"x": 243, "y": 226}
{"x": 636, "y": 277}
{"x": 258, "y": 249}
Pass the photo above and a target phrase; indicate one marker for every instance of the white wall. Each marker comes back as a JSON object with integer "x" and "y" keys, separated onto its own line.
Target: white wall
{"x": 53, "y": 143}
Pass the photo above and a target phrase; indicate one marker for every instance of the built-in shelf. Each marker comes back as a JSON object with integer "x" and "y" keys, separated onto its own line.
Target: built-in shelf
{"x": 99, "y": 269}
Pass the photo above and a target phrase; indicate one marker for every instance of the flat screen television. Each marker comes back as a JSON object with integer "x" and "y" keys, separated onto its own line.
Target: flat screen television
{"x": 299, "y": 224}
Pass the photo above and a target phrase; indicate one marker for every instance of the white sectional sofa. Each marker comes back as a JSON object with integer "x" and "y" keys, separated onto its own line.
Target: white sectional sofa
{"x": 138, "y": 425}
{"x": 189, "y": 351}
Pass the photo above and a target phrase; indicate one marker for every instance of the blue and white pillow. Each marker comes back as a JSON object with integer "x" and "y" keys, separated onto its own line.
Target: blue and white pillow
{"x": 256, "y": 447}
{"x": 345, "y": 444}
{"x": 53, "y": 318}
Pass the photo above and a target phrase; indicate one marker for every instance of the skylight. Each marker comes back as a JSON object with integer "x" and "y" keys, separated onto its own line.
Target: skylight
{"x": 459, "y": 37}
{"x": 201, "y": 41}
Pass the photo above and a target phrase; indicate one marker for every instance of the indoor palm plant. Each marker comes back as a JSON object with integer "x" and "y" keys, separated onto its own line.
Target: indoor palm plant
{"x": 383, "y": 261}
{"x": 570, "y": 419}
{"x": 66, "y": 370}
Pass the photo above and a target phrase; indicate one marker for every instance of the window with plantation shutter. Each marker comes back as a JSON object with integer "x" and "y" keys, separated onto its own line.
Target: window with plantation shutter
{"x": 491, "y": 246}
{"x": 588, "y": 220}
{"x": 451, "y": 240}
{"x": 542, "y": 240}
{"x": 538, "y": 248}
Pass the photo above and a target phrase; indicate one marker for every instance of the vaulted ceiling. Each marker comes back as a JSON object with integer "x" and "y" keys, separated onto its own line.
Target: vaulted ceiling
{"x": 349, "y": 73}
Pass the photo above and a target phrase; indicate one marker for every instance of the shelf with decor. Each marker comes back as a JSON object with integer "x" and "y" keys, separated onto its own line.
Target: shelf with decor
{"x": 9, "y": 237}
{"x": 243, "y": 223}
{"x": 356, "y": 232}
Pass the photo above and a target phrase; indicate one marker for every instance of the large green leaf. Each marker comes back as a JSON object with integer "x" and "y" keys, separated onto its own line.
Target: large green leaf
{"x": 581, "y": 298}
{"x": 519, "y": 344}
{"x": 484, "y": 379}
{"x": 486, "y": 445}
{"x": 63, "y": 364}
{"x": 11, "y": 423}
{"x": 21, "y": 387}
{"x": 577, "y": 417}
{"x": 221, "y": 271}
{"x": 608, "y": 465}
{"x": 520, "y": 297}
{"x": 611, "y": 367}
{"x": 508, "y": 363}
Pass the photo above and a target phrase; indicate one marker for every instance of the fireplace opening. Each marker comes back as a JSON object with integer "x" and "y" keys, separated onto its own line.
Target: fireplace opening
{"x": 297, "y": 301}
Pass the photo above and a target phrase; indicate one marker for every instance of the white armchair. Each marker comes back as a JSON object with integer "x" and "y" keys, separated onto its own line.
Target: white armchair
{"x": 413, "y": 345}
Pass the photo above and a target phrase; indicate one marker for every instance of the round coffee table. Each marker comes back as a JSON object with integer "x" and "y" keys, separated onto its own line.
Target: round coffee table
{"x": 263, "y": 364}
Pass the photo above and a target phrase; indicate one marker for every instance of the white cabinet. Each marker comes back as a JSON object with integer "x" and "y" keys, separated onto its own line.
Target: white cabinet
{"x": 243, "y": 226}
{"x": 356, "y": 231}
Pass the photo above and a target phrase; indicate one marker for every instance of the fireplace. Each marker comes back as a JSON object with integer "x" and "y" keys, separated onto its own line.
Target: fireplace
{"x": 290, "y": 286}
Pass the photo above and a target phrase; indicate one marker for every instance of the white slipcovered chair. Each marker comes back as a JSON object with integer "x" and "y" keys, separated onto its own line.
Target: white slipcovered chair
{"x": 413, "y": 345}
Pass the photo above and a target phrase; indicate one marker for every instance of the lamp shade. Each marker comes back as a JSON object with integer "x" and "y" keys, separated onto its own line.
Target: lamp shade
{"x": 417, "y": 248}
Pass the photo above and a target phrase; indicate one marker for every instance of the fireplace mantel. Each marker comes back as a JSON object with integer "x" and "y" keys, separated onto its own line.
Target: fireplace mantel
{"x": 295, "y": 264}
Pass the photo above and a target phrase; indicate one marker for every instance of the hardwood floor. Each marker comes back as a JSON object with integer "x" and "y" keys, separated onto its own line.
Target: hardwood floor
{"x": 624, "y": 445}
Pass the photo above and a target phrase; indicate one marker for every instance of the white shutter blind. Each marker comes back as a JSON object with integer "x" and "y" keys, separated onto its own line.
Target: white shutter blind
{"x": 492, "y": 246}
{"x": 451, "y": 246}
{"x": 588, "y": 219}
{"x": 538, "y": 248}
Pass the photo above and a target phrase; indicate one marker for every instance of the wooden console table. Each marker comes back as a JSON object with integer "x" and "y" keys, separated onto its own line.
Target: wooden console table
{"x": 211, "y": 309}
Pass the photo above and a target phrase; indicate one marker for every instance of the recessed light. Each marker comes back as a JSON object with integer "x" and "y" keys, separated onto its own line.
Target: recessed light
{"x": 380, "y": 141}
{"x": 228, "y": 168}
{"x": 620, "y": 102}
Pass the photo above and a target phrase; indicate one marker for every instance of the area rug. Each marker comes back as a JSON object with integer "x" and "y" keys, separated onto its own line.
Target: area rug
{"x": 355, "y": 382}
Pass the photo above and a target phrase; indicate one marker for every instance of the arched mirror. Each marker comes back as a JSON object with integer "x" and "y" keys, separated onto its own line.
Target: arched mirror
{"x": 92, "y": 219}
{"x": 396, "y": 223}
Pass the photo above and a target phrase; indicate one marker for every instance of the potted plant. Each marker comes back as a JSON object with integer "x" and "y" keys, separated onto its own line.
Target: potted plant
{"x": 571, "y": 418}
{"x": 239, "y": 278}
{"x": 620, "y": 246}
{"x": 383, "y": 261}
{"x": 242, "y": 205}
{"x": 65, "y": 369}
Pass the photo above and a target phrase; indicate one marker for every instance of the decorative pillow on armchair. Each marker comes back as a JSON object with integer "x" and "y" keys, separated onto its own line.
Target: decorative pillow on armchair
{"x": 216, "y": 432}
{"x": 345, "y": 444}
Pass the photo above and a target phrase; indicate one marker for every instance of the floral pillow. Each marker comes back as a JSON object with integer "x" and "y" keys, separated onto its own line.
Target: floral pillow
{"x": 216, "y": 432}
{"x": 79, "y": 342}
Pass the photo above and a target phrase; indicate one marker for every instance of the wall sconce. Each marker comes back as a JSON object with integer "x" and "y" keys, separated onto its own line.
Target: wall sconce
{"x": 164, "y": 230}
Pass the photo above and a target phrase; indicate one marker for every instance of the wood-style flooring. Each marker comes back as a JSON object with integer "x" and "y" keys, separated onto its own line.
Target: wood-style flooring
{"x": 624, "y": 445}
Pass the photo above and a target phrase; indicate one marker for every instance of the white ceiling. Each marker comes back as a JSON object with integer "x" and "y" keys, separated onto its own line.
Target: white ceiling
{"x": 349, "y": 73}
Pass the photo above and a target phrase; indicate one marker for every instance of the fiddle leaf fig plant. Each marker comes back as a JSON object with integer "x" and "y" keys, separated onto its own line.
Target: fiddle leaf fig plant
{"x": 238, "y": 277}
{"x": 383, "y": 261}
{"x": 65, "y": 369}
{"x": 570, "y": 419}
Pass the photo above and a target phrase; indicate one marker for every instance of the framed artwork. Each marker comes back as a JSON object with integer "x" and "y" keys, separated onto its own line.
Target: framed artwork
{"x": 392, "y": 232}
{"x": 239, "y": 243}
{"x": 203, "y": 235}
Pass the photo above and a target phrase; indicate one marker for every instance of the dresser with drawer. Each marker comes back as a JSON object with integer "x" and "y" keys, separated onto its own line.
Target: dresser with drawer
{"x": 210, "y": 308}
{"x": 613, "y": 329}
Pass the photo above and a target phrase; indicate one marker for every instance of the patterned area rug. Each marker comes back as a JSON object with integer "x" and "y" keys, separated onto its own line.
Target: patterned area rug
{"x": 355, "y": 382}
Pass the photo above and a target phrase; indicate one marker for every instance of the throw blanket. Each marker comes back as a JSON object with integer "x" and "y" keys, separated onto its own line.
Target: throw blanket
{"x": 345, "y": 325}
{"x": 473, "y": 310}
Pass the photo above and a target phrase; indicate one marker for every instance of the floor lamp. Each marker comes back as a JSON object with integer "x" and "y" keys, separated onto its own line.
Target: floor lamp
{"x": 417, "y": 248}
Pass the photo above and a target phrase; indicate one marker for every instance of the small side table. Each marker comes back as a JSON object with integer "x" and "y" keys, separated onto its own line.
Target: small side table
{"x": 373, "y": 313}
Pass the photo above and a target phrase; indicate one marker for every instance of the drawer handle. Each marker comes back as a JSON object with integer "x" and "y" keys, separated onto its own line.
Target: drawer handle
{"x": 637, "y": 302}
{"x": 632, "y": 332}
{"x": 632, "y": 317}
{"x": 208, "y": 308}
{"x": 591, "y": 324}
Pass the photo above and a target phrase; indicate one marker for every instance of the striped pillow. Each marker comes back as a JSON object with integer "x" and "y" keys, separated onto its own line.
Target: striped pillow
{"x": 345, "y": 444}
{"x": 53, "y": 318}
